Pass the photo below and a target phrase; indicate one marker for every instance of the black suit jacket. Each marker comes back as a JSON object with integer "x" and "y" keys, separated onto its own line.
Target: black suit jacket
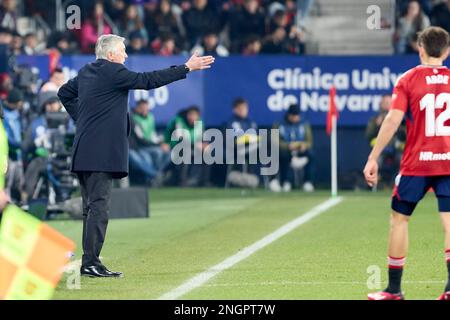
{"x": 97, "y": 100}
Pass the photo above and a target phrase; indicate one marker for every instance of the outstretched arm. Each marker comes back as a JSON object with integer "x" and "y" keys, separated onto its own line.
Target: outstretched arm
{"x": 128, "y": 80}
{"x": 68, "y": 94}
{"x": 388, "y": 128}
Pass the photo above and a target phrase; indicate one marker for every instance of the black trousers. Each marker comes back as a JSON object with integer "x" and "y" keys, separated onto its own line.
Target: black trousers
{"x": 96, "y": 193}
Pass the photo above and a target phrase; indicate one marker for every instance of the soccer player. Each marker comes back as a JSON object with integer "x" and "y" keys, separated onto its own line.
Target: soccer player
{"x": 422, "y": 95}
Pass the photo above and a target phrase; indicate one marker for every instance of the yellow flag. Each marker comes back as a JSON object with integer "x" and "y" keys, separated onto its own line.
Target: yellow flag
{"x": 32, "y": 256}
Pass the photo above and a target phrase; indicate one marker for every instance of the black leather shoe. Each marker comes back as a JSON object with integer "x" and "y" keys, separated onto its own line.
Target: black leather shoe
{"x": 95, "y": 272}
{"x": 117, "y": 274}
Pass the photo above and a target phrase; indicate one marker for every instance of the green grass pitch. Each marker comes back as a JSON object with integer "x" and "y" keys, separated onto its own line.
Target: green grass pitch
{"x": 191, "y": 230}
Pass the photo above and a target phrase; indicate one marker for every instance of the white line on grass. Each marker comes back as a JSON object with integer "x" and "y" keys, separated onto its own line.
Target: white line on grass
{"x": 307, "y": 283}
{"x": 205, "y": 276}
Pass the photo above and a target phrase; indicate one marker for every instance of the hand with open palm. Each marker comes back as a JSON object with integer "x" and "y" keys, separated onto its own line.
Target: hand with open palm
{"x": 196, "y": 62}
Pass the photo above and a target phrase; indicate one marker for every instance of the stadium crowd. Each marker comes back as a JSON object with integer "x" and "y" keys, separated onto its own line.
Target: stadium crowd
{"x": 218, "y": 27}
{"x": 414, "y": 16}
{"x": 165, "y": 27}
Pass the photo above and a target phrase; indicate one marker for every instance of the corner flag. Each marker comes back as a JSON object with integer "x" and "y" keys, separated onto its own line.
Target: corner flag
{"x": 332, "y": 116}
{"x": 332, "y": 111}
{"x": 32, "y": 256}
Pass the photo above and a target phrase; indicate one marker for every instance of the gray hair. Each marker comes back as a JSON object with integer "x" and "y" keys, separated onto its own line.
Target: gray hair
{"x": 107, "y": 43}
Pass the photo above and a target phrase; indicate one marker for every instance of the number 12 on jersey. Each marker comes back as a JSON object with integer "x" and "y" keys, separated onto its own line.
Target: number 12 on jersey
{"x": 435, "y": 126}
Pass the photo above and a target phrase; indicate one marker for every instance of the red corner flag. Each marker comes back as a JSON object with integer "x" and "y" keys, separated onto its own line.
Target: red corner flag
{"x": 332, "y": 111}
{"x": 53, "y": 59}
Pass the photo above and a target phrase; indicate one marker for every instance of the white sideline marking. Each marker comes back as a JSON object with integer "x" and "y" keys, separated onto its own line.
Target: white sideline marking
{"x": 205, "y": 276}
{"x": 305, "y": 283}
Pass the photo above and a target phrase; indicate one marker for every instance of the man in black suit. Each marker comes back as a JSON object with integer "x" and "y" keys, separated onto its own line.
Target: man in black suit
{"x": 97, "y": 101}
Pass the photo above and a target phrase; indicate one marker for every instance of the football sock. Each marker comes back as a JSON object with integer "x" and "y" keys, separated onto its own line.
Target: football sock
{"x": 447, "y": 257}
{"x": 395, "y": 274}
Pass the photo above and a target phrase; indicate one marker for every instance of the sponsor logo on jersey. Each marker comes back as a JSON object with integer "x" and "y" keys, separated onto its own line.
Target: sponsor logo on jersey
{"x": 431, "y": 156}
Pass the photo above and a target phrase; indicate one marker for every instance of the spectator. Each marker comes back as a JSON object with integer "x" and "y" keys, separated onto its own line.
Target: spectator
{"x": 16, "y": 44}
{"x": 252, "y": 46}
{"x": 291, "y": 12}
{"x": 165, "y": 46}
{"x": 296, "y": 40}
{"x": 37, "y": 140}
{"x": 200, "y": 19}
{"x": 276, "y": 43}
{"x": 31, "y": 44}
{"x": 412, "y": 22}
{"x": 131, "y": 22}
{"x": 240, "y": 121}
{"x": 295, "y": 37}
{"x": 210, "y": 46}
{"x": 92, "y": 28}
{"x": 162, "y": 21}
{"x": 116, "y": 9}
{"x": 45, "y": 9}
{"x": 390, "y": 157}
{"x": 440, "y": 15}
{"x": 246, "y": 139}
{"x": 191, "y": 127}
{"x": 150, "y": 8}
{"x": 12, "y": 108}
{"x": 6, "y": 36}
{"x": 245, "y": 22}
{"x": 148, "y": 153}
{"x": 64, "y": 45}
{"x": 5, "y": 85}
{"x": 55, "y": 82}
{"x": 136, "y": 44}
{"x": 296, "y": 142}
{"x": 401, "y": 6}
{"x": 6, "y": 44}
{"x": 279, "y": 20}
{"x": 8, "y": 14}
{"x": 13, "y": 125}
{"x": 63, "y": 42}
{"x": 273, "y": 7}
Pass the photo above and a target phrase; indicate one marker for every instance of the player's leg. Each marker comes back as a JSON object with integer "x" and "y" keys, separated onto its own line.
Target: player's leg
{"x": 407, "y": 193}
{"x": 398, "y": 248}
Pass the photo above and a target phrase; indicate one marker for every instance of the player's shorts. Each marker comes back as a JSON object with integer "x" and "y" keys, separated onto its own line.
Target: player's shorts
{"x": 409, "y": 190}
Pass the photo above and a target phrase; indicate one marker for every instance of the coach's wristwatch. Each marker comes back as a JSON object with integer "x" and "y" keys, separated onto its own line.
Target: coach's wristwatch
{"x": 187, "y": 68}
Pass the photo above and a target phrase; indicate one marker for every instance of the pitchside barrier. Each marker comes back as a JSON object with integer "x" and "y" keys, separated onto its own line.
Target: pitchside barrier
{"x": 130, "y": 202}
{"x": 271, "y": 84}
